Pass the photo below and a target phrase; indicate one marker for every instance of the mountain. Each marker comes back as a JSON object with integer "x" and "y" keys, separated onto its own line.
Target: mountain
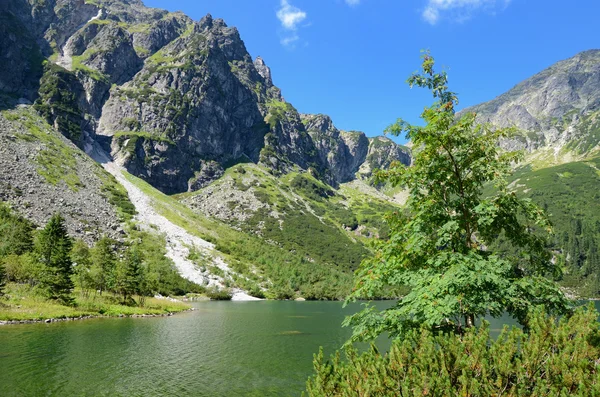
{"x": 192, "y": 139}
{"x": 556, "y": 111}
{"x": 178, "y": 100}
{"x": 258, "y": 195}
{"x": 557, "y": 116}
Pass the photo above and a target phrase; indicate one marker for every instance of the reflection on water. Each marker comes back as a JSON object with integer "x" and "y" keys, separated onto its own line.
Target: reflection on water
{"x": 221, "y": 349}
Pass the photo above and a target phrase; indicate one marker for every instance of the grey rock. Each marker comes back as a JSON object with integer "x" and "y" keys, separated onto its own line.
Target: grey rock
{"x": 176, "y": 101}
{"x": 552, "y": 108}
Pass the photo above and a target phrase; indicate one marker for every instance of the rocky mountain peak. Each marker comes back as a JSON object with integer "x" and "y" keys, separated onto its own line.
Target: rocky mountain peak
{"x": 178, "y": 99}
{"x": 320, "y": 123}
{"x": 263, "y": 69}
{"x": 554, "y": 108}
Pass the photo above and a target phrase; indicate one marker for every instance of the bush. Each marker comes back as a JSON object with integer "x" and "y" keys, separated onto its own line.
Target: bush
{"x": 217, "y": 294}
{"x": 555, "y": 358}
{"x": 22, "y": 268}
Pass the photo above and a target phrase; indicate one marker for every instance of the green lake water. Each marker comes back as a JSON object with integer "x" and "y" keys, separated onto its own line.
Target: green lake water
{"x": 220, "y": 349}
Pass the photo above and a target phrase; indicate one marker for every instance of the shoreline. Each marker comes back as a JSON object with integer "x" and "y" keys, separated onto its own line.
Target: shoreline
{"x": 89, "y": 317}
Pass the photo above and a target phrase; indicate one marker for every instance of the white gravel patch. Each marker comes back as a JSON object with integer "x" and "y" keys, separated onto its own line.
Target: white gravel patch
{"x": 65, "y": 57}
{"x": 178, "y": 239}
{"x": 239, "y": 295}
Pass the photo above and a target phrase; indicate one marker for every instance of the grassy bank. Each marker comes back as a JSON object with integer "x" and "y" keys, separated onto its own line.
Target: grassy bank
{"x": 22, "y": 303}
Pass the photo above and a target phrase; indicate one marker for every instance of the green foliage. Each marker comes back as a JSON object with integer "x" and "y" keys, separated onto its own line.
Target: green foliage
{"x": 569, "y": 195}
{"x": 555, "y": 358}
{"x": 123, "y": 135}
{"x": 130, "y": 278}
{"x": 103, "y": 264}
{"x": 23, "y": 268}
{"x": 116, "y": 195}
{"x": 217, "y": 294}
{"x": 2, "y": 279}
{"x": 311, "y": 188}
{"x": 440, "y": 250}
{"x": 54, "y": 265}
{"x": 57, "y": 102}
{"x": 56, "y": 160}
{"x": 53, "y": 249}
{"x": 277, "y": 112}
{"x": 15, "y": 233}
{"x": 82, "y": 263}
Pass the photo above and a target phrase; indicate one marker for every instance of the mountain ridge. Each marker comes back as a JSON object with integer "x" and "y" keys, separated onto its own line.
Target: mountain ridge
{"x": 556, "y": 111}
{"x": 181, "y": 100}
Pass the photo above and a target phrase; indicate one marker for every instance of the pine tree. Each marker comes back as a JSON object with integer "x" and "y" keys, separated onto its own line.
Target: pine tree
{"x": 103, "y": 267}
{"x": 130, "y": 273}
{"x": 82, "y": 262}
{"x": 2, "y": 279}
{"x": 53, "y": 248}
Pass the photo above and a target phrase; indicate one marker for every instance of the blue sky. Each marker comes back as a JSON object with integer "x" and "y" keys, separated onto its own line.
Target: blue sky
{"x": 350, "y": 58}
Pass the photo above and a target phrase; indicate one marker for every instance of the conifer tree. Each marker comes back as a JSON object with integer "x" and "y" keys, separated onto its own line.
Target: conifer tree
{"x": 130, "y": 273}
{"x": 82, "y": 262}
{"x": 2, "y": 279}
{"x": 103, "y": 267}
{"x": 53, "y": 249}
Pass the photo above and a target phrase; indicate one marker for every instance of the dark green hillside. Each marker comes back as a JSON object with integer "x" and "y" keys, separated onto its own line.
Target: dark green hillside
{"x": 570, "y": 195}
{"x": 307, "y": 237}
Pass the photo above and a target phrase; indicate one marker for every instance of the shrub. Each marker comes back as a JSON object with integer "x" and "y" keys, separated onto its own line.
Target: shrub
{"x": 22, "y": 268}
{"x": 555, "y": 358}
{"x": 217, "y": 294}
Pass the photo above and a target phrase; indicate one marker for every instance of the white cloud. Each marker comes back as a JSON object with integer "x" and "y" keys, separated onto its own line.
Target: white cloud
{"x": 290, "y": 16}
{"x": 460, "y": 10}
{"x": 289, "y": 41}
{"x": 352, "y": 3}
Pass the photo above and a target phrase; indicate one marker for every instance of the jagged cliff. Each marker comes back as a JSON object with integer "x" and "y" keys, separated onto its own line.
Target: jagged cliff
{"x": 178, "y": 101}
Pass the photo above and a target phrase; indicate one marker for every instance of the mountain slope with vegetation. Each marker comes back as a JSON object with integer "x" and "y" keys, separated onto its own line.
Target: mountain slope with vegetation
{"x": 178, "y": 103}
{"x": 556, "y": 111}
{"x": 285, "y": 201}
{"x": 556, "y": 116}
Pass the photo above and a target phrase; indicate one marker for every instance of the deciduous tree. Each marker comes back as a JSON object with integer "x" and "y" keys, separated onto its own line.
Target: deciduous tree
{"x": 439, "y": 248}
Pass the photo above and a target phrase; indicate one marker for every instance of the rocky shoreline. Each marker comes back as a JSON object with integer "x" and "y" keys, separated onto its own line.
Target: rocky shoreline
{"x": 57, "y": 320}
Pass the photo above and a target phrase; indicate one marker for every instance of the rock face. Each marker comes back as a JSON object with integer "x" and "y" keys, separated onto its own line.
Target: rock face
{"x": 343, "y": 152}
{"x": 20, "y": 55}
{"x": 558, "y": 107}
{"x": 179, "y": 101}
{"x": 381, "y": 153}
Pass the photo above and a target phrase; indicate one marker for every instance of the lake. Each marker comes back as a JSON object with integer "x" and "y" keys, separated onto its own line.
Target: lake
{"x": 220, "y": 349}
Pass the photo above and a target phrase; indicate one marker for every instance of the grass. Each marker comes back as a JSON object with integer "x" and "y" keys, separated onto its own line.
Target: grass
{"x": 284, "y": 272}
{"x": 57, "y": 161}
{"x": 23, "y": 302}
{"x": 142, "y": 134}
{"x": 116, "y": 194}
{"x": 77, "y": 64}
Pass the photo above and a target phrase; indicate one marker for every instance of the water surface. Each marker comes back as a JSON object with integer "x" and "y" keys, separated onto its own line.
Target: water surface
{"x": 220, "y": 349}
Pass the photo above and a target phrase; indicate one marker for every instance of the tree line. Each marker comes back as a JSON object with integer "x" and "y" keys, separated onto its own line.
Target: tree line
{"x": 53, "y": 262}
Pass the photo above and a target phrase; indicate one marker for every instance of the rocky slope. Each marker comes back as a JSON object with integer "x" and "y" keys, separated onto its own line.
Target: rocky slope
{"x": 41, "y": 173}
{"x": 177, "y": 103}
{"x": 179, "y": 100}
{"x": 557, "y": 110}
